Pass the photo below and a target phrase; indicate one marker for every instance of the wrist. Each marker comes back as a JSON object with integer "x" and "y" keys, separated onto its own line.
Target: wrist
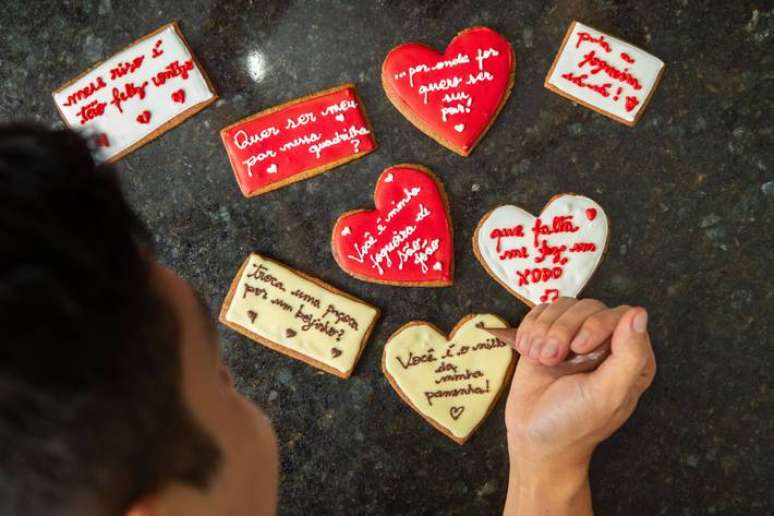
{"x": 549, "y": 486}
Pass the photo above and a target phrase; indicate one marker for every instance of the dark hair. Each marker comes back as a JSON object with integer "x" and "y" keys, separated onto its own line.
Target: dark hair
{"x": 92, "y": 414}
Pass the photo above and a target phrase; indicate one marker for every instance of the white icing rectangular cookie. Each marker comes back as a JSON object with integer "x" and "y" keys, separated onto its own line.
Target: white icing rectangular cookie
{"x": 604, "y": 73}
{"x": 137, "y": 94}
{"x": 298, "y": 315}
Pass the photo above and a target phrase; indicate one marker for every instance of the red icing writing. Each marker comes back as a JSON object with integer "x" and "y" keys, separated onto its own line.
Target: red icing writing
{"x": 126, "y": 68}
{"x": 583, "y": 247}
{"x": 538, "y": 275}
{"x": 600, "y": 65}
{"x": 559, "y": 224}
{"x": 626, "y": 57}
{"x": 131, "y": 90}
{"x": 585, "y": 36}
{"x": 580, "y": 80}
{"x": 500, "y": 233}
{"x": 85, "y": 92}
{"x": 173, "y": 69}
{"x": 156, "y": 52}
{"x": 91, "y": 111}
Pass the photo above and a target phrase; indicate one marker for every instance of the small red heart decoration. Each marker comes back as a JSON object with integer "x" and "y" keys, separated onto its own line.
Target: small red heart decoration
{"x": 591, "y": 213}
{"x": 101, "y": 140}
{"x": 406, "y": 240}
{"x": 144, "y": 117}
{"x": 179, "y": 96}
{"x": 452, "y": 97}
{"x": 631, "y": 103}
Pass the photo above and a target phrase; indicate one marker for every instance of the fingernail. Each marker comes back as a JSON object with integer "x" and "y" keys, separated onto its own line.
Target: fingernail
{"x": 580, "y": 339}
{"x": 534, "y": 350}
{"x": 640, "y": 322}
{"x": 550, "y": 349}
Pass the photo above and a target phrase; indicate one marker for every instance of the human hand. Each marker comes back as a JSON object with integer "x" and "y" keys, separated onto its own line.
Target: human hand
{"x": 555, "y": 421}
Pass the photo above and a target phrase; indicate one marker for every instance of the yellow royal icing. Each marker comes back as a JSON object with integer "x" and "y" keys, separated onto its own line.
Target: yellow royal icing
{"x": 452, "y": 382}
{"x": 279, "y": 305}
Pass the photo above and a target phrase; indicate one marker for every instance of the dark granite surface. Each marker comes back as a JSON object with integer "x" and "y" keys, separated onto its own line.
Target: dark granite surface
{"x": 690, "y": 194}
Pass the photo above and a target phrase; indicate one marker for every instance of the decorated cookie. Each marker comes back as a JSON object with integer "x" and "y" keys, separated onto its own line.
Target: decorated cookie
{"x": 452, "y": 97}
{"x": 406, "y": 240}
{"x": 539, "y": 259}
{"x": 298, "y": 315}
{"x": 605, "y": 74}
{"x": 136, "y": 95}
{"x": 453, "y": 382}
{"x": 298, "y": 140}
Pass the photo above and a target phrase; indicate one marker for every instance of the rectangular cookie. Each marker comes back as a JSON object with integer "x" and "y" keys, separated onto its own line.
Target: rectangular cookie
{"x": 298, "y": 315}
{"x": 298, "y": 140}
{"x": 604, "y": 74}
{"x": 136, "y": 95}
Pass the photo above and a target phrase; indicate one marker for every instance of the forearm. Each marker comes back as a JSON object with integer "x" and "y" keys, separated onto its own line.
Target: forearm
{"x": 555, "y": 490}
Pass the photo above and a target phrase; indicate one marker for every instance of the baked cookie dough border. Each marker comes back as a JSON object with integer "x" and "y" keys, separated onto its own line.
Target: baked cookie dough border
{"x": 417, "y": 121}
{"x": 445, "y": 200}
{"x": 281, "y": 348}
{"x": 585, "y": 104}
{"x": 166, "y": 126}
{"x": 449, "y": 337}
{"x": 306, "y": 174}
{"x": 494, "y": 276}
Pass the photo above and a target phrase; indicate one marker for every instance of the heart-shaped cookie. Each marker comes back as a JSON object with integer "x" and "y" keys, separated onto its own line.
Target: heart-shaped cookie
{"x": 539, "y": 259}
{"x": 452, "y": 97}
{"x": 407, "y": 240}
{"x": 453, "y": 382}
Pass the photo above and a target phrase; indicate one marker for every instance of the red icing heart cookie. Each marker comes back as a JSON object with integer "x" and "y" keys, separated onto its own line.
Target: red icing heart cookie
{"x": 407, "y": 240}
{"x": 452, "y": 97}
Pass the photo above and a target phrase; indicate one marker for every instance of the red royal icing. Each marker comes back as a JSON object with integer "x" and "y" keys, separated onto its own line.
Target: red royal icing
{"x": 456, "y": 94}
{"x": 144, "y": 117}
{"x": 310, "y": 134}
{"x": 178, "y": 96}
{"x": 591, "y": 213}
{"x": 406, "y": 239}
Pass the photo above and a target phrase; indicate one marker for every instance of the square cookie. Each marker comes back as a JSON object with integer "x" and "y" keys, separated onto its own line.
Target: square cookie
{"x": 298, "y": 315}
{"x": 604, "y": 73}
{"x": 136, "y": 95}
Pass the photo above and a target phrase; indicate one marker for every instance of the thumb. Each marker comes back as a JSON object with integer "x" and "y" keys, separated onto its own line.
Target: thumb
{"x": 631, "y": 364}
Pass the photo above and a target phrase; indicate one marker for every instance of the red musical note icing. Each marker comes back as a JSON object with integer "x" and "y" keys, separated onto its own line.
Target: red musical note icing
{"x": 144, "y": 117}
{"x": 156, "y": 52}
{"x": 626, "y": 57}
{"x": 549, "y": 295}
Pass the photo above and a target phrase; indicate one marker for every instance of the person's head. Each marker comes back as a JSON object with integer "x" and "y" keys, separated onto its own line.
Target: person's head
{"x": 113, "y": 399}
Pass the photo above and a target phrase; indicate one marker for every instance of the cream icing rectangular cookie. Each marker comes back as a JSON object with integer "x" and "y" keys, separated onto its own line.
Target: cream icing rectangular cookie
{"x": 137, "y": 94}
{"x": 298, "y": 315}
{"x": 604, "y": 73}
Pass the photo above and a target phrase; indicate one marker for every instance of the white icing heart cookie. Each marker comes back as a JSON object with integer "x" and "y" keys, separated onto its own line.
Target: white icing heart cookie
{"x": 453, "y": 382}
{"x": 539, "y": 259}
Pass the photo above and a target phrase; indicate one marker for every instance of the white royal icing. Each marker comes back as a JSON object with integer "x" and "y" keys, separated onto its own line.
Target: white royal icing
{"x": 122, "y": 128}
{"x": 518, "y": 254}
{"x": 574, "y": 60}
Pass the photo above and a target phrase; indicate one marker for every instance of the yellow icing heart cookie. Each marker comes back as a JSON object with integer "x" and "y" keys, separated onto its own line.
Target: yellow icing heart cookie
{"x": 453, "y": 382}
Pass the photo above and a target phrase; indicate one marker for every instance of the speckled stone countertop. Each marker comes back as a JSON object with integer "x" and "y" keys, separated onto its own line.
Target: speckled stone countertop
{"x": 689, "y": 191}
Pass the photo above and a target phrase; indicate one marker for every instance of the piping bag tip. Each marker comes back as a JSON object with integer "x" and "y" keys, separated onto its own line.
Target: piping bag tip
{"x": 574, "y": 363}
